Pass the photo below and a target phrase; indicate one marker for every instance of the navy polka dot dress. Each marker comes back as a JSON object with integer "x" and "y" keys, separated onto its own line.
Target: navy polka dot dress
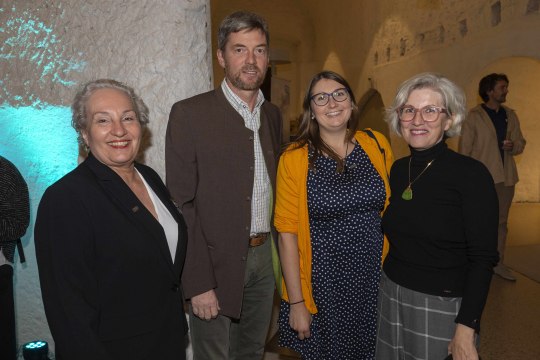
{"x": 346, "y": 240}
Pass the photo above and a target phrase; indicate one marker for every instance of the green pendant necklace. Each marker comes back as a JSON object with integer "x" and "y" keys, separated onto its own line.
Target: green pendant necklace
{"x": 407, "y": 193}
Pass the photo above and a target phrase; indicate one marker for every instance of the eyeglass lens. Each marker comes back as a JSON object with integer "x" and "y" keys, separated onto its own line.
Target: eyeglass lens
{"x": 428, "y": 113}
{"x": 322, "y": 99}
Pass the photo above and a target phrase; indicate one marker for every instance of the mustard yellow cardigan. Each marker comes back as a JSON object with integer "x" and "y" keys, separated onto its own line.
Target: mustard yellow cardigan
{"x": 291, "y": 212}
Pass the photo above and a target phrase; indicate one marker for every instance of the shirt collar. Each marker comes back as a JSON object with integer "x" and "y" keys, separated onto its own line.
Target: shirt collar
{"x": 494, "y": 112}
{"x": 235, "y": 100}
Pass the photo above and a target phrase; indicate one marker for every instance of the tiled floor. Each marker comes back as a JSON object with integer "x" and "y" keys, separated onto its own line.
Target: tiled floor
{"x": 511, "y": 320}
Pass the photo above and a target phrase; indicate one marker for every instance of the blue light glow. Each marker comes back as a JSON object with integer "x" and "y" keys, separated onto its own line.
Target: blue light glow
{"x": 35, "y": 134}
{"x": 35, "y": 345}
{"x": 40, "y": 142}
{"x": 40, "y": 65}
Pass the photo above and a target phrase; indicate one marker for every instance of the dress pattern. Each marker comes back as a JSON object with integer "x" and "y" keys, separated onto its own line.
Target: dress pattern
{"x": 346, "y": 241}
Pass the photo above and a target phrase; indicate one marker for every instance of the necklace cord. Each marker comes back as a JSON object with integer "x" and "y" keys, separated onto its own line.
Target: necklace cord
{"x": 340, "y": 157}
{"x": 408, "y": 193}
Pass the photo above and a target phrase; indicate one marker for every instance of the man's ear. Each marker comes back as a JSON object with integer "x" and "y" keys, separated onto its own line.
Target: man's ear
{"x": 221, "y": 59}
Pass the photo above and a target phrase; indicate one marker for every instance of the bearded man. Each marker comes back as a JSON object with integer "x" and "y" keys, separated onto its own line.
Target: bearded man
{"x": 492, "y": 135}
{"x": 222, "y": 149}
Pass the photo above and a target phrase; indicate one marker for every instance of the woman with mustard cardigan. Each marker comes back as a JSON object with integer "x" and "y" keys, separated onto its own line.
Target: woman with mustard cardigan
{"x": 332, "y": 186}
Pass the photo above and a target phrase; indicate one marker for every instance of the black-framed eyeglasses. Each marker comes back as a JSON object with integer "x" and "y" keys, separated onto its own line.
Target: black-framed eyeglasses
{"x": 322, "y": 98}
{"x": 428, "y": 113}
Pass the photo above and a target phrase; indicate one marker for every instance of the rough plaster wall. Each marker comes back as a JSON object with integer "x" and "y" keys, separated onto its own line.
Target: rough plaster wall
{"x": 50, "y": 47}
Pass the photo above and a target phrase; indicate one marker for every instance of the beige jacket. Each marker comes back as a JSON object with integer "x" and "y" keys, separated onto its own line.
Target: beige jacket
{"x": 479, "y": 141}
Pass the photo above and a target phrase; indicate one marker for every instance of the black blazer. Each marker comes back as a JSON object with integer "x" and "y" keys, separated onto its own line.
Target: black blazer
{"x": 109, "y": 285}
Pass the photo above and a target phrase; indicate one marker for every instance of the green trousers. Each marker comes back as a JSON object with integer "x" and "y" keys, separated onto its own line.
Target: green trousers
{"x": 224, "y": 338}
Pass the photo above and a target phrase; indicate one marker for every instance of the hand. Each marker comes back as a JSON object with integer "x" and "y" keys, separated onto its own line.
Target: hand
{"x": 462, "y": 345}
{"x": 300, "y": 320}
{"x": 205, "y": 306}
{"x": 507, "y": 145}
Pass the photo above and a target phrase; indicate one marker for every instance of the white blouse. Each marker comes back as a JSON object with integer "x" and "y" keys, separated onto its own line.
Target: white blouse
{"x": 167, "y": 221}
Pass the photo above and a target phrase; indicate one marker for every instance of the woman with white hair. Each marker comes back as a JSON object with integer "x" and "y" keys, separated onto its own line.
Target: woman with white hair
{"x": 441, "y": 224}
{"x": 110, "y": 242}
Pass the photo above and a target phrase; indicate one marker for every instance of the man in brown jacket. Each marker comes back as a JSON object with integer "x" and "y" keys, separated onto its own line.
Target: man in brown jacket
{"x": 222, "y": 149}
{"x": 492, "y": 135}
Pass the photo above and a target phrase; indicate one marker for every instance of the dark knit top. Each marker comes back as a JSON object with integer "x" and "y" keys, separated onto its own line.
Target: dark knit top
{"x": 14, "y": 209}
{"x": 443, "y": 241}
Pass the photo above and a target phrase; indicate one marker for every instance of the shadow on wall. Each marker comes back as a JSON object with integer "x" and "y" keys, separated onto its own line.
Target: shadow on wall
{"x": 524, "y": 89}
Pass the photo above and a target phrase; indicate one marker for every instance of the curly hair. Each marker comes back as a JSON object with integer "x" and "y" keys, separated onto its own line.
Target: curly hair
{"x": 488, "y": 83}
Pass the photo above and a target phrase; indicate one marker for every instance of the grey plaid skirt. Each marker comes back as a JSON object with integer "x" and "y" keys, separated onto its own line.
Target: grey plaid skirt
{"x": 413, "y": 325}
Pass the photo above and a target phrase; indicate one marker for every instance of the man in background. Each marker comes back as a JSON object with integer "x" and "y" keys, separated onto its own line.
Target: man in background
{"x": 492, "y": 135}
{"x": 14, "y": 219}
{"x": 222, "y": 149}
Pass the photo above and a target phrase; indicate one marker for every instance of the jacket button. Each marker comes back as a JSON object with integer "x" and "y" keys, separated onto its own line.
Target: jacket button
{"x": 175, "y": 287}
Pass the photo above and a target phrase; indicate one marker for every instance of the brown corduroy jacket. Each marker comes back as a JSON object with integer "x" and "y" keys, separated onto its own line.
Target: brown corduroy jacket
{"x": 209, "y": 164}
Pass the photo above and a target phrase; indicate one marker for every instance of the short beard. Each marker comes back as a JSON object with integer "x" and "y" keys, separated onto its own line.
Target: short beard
{"x": 237, "y": 82}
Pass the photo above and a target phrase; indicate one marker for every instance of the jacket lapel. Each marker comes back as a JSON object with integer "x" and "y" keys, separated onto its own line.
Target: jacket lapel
{"x": 163, "y": 194}
{"x": 267, "y": 138}
{"x": 126, "y": 201}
